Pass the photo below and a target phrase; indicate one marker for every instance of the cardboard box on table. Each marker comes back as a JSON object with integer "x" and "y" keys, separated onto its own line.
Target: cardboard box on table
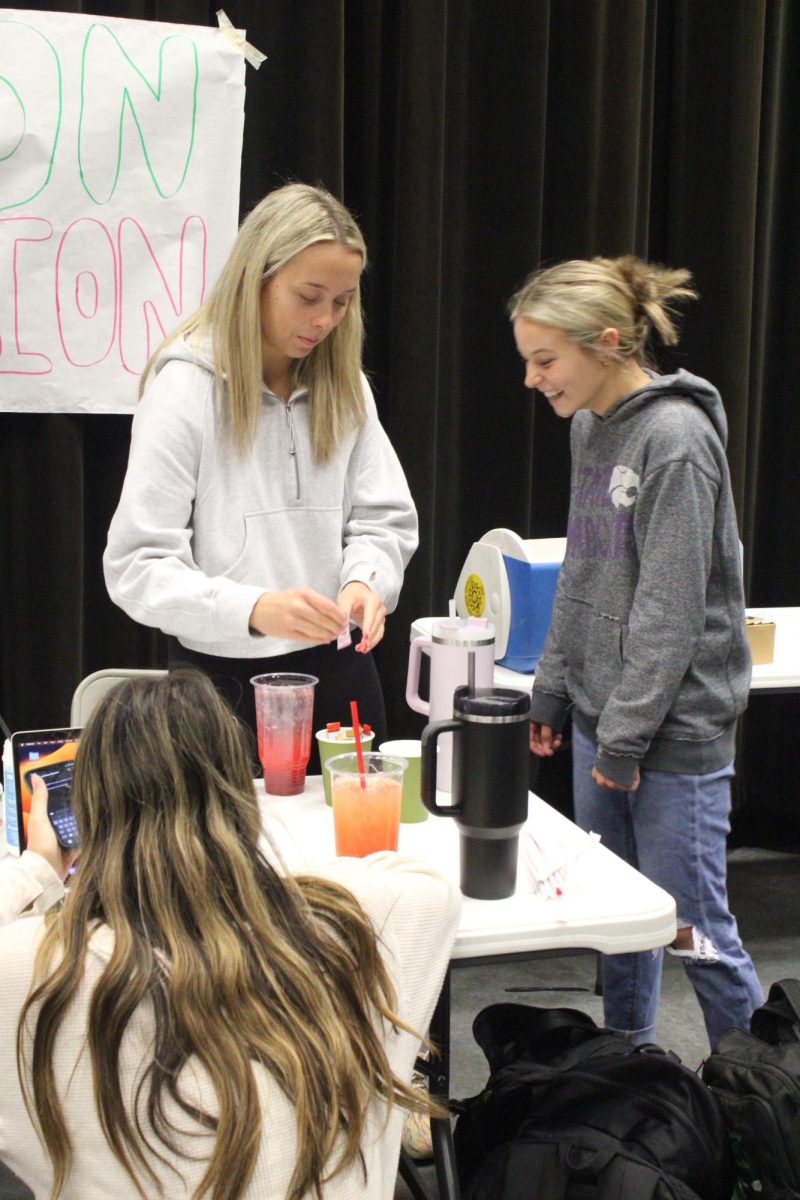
{"x": 761, "y": 637}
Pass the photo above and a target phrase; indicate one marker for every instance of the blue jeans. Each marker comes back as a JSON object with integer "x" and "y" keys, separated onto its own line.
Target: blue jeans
{"x": 673, "y": 829}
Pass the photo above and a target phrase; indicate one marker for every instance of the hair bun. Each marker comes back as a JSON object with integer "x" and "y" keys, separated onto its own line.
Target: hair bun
{"x": 654, "y": 292}
{"x": 584, "y": 297}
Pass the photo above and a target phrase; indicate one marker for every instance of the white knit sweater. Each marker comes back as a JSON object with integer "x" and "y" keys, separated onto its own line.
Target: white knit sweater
{"x": 415, "y": 914}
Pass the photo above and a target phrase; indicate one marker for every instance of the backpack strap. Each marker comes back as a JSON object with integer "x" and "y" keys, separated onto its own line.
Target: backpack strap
{"x": 623, "y": 1178}
{"x": 546, "y": 1169}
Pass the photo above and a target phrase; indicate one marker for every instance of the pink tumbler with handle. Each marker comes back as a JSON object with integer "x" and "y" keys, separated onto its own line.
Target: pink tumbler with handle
{"x": 451, "y": 642}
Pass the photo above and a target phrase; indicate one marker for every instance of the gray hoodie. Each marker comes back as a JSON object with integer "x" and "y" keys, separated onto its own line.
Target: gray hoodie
{"x": 201, "y": 530}
{"x": 647, "y": 638}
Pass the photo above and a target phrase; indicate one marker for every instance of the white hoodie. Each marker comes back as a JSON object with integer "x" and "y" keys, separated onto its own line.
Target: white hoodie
{"x": 202, "y": 530}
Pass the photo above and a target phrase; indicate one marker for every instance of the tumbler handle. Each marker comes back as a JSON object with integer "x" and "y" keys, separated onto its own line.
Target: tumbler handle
{"x": 413, "y": 698}
{"x": 428, "y": 768}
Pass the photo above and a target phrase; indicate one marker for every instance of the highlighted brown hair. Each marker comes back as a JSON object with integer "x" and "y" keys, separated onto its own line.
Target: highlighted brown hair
{"x": 237, "y": 964}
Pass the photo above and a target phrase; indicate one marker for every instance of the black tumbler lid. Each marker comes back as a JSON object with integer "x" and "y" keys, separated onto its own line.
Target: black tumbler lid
{"x": 493, "y": 704}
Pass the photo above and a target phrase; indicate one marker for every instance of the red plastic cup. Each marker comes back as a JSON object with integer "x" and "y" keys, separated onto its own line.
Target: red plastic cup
{"x": 284, "y": 708}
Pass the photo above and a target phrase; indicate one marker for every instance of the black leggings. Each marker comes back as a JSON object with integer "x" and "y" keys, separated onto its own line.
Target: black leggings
{"x": 343, "y": 676}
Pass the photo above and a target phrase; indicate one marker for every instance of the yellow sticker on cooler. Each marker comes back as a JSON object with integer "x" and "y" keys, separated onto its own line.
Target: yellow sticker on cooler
{"x": 474, "y": 596}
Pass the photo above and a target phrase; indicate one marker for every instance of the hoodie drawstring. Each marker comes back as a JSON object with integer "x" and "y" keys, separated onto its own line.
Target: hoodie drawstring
{"x": 292, "y": 447}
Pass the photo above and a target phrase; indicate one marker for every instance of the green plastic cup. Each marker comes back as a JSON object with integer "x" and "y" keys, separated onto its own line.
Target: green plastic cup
{"x": 411, "y": 807}
{"x": 340, "y": 741}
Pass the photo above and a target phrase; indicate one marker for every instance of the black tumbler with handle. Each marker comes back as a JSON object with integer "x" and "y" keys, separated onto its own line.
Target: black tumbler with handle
{"x": 489, "y": 784}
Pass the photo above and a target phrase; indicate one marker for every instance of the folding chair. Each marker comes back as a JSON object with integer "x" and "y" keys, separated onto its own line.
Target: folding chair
{"x": 91, "y": 690}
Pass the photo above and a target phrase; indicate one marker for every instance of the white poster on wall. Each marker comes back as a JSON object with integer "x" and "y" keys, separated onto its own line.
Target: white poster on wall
{"x": 120, "y": 152}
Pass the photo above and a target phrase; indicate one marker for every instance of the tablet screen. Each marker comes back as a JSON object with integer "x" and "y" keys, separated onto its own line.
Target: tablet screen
{"x": 49, "y": 753}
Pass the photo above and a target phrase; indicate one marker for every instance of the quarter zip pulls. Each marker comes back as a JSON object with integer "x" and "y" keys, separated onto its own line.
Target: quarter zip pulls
{"x": 288, "y": 406}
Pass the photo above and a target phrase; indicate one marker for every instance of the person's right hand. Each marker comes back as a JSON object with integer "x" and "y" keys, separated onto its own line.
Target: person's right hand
{"x": 543, "y": 741}
{"x": 298, "y": 615}
{"x": 41, "y": 837}
{"x": 604, "y": 782}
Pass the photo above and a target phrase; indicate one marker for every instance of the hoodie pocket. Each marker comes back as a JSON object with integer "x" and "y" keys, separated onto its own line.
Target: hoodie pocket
{"x": 603, "y": 659}
{"x": 291, "y": 548}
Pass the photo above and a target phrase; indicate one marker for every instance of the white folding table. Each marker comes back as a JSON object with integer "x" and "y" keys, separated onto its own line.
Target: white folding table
{"x": 605, "y": 905}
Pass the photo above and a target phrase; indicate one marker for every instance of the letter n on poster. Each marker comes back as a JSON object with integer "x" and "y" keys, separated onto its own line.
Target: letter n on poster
{"x": 120, "y": 153}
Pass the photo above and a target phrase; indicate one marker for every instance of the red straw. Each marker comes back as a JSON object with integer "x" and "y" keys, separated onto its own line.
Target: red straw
{"x": 357, "y": 736}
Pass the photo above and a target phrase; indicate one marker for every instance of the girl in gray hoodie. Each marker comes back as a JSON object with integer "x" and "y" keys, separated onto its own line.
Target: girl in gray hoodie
{"x": 646, "y": 646}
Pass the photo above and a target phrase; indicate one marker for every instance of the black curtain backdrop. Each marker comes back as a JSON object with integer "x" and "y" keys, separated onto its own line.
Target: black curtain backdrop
{"x": 476, "y": 139}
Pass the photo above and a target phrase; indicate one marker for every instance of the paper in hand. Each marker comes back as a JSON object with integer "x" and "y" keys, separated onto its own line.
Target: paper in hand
{"x": 344, "y": 640}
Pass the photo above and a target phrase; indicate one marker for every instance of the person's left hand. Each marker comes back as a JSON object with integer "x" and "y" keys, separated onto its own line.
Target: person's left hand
{"x": 367, "y": 609}
{"x": 543, "y": 742}
{"x": 42, "y": 838}
{"x": 604, "y": 782}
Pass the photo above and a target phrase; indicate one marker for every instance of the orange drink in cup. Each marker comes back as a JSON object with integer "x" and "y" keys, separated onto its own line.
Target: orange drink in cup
{"x": 366, "y": 819}
{"x": 366, "y": 807}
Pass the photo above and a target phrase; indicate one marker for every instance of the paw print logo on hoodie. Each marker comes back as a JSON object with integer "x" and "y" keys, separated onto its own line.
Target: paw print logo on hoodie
{"x": 624, "y": 486}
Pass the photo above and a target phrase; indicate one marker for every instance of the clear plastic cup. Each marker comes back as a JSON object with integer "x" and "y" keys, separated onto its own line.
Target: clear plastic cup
{"x": 284, "y": 708}
{"x": 366, "y": 808}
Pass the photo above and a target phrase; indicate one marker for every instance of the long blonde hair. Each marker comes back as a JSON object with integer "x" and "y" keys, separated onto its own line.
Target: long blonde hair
{"x": 284, "y": 223}
{"x": 237, "y": 964}
{"x": 583, "y": 297}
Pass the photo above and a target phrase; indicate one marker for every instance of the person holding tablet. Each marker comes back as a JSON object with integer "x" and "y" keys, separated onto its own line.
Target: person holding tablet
{"x": 35, "y": 879}
{"x": 192, "y": 1020}
{"x": 264, "y": 510}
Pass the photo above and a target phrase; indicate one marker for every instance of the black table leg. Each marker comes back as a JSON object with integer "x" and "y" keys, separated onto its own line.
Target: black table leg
{"x": 410, "y": 1176}
{"x": 441, "y": 1134}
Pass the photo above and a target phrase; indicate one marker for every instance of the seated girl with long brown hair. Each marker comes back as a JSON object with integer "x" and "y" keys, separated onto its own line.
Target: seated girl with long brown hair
{"x": 192, "y": 1021}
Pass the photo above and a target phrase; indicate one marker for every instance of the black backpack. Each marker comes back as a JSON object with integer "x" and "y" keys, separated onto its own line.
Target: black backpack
{"x": 572, "y": 1111}
{"x": 756, "y": 1078}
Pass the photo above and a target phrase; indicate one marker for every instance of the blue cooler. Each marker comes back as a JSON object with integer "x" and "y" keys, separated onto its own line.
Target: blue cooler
{"x": 512, "y": 583}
